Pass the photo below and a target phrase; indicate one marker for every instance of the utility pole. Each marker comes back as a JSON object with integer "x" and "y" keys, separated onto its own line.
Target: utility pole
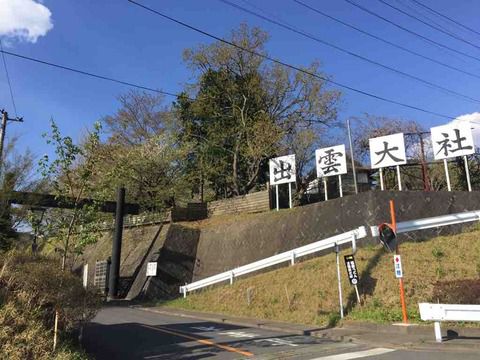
{"x": 351, "y": 156}
{"x": 3, "y": 130}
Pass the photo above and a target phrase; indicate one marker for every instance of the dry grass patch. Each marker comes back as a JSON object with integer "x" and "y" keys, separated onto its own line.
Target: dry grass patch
{"x": 307, "y": 292}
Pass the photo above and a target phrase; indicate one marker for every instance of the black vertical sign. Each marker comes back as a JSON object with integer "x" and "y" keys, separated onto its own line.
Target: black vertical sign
{"x": 351, "y": 269}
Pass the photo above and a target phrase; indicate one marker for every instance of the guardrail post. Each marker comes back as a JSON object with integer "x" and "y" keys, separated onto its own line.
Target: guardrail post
{"x": 438, "y": 332}
{"x": 354, "y": 243}
{"x": 184, "y": 290}
{"x": 231, "y": 277}
{"x": 292, "y": 260}
{"x": 340, "y": 298}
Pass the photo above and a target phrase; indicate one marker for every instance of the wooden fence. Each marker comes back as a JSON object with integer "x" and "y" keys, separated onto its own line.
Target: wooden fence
{"x": 250, "y": 203}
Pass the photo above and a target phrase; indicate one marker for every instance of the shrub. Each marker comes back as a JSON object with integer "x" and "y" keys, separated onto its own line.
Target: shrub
{"x": 31, "y": 288}
{"x": 457, "y": 291}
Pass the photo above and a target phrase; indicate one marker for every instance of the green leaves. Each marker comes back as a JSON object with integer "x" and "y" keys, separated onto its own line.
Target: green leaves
{"x": 70, "y": 176}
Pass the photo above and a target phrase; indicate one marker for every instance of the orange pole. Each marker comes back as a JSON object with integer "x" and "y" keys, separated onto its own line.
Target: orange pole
{"x": 397, "y": 251}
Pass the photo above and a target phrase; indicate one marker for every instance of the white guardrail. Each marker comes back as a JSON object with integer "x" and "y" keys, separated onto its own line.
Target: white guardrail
{"x": 431, "y": 222}
{"x": 347, "y": 237}
{"x": 448, "y": 312}
{"x": 350, "y": 236}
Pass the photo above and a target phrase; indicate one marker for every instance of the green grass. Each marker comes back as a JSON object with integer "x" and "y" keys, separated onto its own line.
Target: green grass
{"x": 307, "y": 292}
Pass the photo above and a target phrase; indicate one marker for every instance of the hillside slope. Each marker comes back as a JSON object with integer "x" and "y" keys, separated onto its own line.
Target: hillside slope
{"x": 307, "y": 292}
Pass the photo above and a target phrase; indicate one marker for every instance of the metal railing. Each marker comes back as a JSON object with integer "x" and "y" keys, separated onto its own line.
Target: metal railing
{"x": 431, "y": 222}
{"x": 448, "y": 312}
{"x": 350, "y": 236}
{"x": 288, "y": 256}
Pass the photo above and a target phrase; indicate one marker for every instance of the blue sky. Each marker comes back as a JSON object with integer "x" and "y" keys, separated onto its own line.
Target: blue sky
{"x": 114, "y": 38}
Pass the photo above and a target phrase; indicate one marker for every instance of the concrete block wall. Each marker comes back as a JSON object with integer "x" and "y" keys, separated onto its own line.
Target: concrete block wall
{"x": 192, "y": 251}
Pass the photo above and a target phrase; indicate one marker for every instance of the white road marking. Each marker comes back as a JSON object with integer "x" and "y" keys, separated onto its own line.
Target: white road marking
{"x": 356, "y": 354}
{"x": 238, "y": 334}
{"x": 277, "y": 342}
{"x": 205, "y": 328}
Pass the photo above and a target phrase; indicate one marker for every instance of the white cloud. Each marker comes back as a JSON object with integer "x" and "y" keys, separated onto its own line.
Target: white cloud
{"x": 25, "y": 20}
{"x": 474, "y": 119}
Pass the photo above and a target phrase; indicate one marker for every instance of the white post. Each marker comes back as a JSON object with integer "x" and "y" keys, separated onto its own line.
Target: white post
{"x": 340, "y": 185}
{"x": 467, "y": 172}
{"x": 231, "y": 277}
{"x": 325, "y": 188}
{"x": 340, "y": 299}
{"x": 85, "y": 275}
{"x": 381, "y": 180}
{"x": 447, "y": 175}
{"x": 358, "y": 295}
{"x": 292, "y": 259}
{"x": 438, "y": 331}
{"x": 399, "y": 178}
{"x": 290, "y": 194}
{"x": 276, "y": 197}
{"x": 184, "y": 292}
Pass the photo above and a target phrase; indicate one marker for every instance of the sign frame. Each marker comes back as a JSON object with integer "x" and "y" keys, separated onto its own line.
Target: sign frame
{"x": 381, "y": 145}
{"x": 351, "y": 267}
{"x": 397, "y": 261}
{"x": 152, "y": 267}
{"x": 442, "y": 133}
{"x": 276, "y": 163}
{"x": 323, "y": 152}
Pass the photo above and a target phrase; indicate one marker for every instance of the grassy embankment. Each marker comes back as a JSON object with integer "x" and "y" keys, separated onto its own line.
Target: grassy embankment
{"x": 307, "y": 292}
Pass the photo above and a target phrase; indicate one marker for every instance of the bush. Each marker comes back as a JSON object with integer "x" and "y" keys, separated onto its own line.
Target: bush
{"x": 31, "y": 289}
{"x": 457, "y": 292}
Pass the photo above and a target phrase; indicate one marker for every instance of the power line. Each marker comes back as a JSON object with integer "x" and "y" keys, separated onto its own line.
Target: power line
{"x": 386, "y": 41}
{"x": 411, "y": 31}
{"x": 415, "y": 10}
{"x": 348, "y": 52}
{"x": 8, "y": 80}
{"x": 446, "y": 17}
{"x": 86, "y": 73}
{"x": 293, "y": 67}
{"x": 429, "y": 25}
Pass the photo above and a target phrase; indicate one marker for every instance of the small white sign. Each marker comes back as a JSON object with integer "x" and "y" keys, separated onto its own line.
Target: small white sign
{"x": 452, "y": 140}
{"x": 331, "y": 161}
{"x": 152, "y": 269}
{"x": 387, "y": 151}
{"x": 85, "y": 275}
{"x": 397, "y": 261}
{"x": 282, "y": 170}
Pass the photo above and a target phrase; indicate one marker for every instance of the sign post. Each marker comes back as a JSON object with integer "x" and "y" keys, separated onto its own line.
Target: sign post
{"x": 282, "y": 171}
{"x": 447, "y": 175}
{"x": 331, "y": 161}
{"x": 325, "y": 188}
{"x": 399, "y": 178}
{"x": 352, "y": 273}
{"x": 340, "y": 298}
{"x": 382, "y": 187}
{"x": 386, "y": 151}
{"x": 290, "y": 195}
{"x": 467, "y": 173}
{"x": 340, "y": 188}
{"x": 397, "y": 259}
{"x": 452, "y": 140}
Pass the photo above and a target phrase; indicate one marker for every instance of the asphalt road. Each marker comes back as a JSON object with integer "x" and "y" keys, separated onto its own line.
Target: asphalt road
{"x": 128, "y": 333}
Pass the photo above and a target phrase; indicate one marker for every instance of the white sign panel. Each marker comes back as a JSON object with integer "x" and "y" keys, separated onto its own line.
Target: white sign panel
{"x": 387, "y": 151}
{"x": 282, "y": 170}
{"x": 85, "y": 275}
{"x": 397, "y": 260}
{"x": 331, "y": 161}
{"x": 452, "y": 140}
{"x": 152, "y": 269}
